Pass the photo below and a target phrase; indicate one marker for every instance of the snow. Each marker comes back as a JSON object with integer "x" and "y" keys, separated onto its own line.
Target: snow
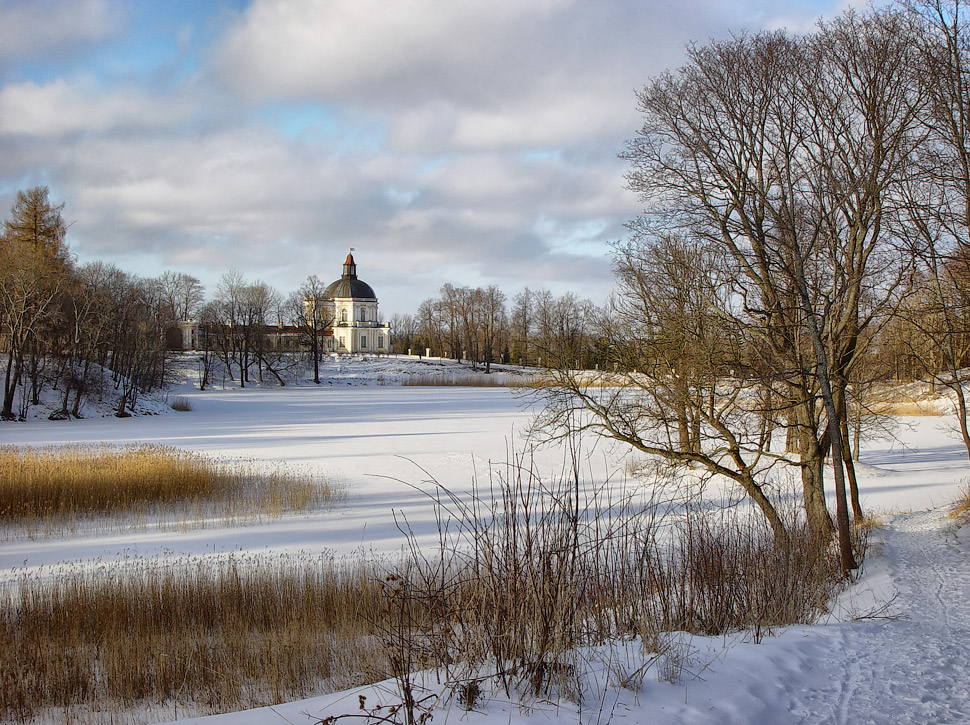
{"x": 893, "y": 648}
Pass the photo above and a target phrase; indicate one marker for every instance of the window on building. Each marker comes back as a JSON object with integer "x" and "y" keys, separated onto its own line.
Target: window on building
{"x": 363, "y": 342}
{"x": 363, "y": 314}
{"x": 343, "y": 315}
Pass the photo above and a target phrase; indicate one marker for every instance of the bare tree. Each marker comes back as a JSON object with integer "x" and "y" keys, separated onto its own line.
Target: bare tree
{"x": 784, "y": 154}
{"x": 675, "y": 389}
{"x": 313, "y": 317}
{"x": 938, "y": 200}
{"x": 491, "y": 320}
{"x": 182, "y": 293}
{"x": 520, "y": 326}
{"x": 404, "y": 330}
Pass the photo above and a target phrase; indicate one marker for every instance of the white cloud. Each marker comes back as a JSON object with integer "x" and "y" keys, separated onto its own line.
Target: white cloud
{"x": 63, "y": 107}
{"x": 46, "y": 28}
{"x": 370, "y": 49}
{"x": 463, "y": 141}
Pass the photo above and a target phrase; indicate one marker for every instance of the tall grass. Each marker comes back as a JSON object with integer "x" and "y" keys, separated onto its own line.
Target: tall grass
{"x": 525, "y": 574}
{"x": 45, "y": 490}
{"x": 472, "y": 380}
{"x": 181, "y": 404}
{"x": 201, "y": 635}
{"x": 961, "y": 507}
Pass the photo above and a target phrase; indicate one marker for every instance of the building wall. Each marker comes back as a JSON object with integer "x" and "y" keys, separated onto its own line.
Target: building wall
{"x": 356, "y": 328}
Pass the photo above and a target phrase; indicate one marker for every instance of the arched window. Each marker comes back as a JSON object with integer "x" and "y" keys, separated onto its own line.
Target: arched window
{"x": 363, "y": 314}
{"x": 343, "y": 315}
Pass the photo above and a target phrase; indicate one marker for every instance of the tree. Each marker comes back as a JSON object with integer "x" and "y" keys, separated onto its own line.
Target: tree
{"x": 313, "y": 317}
{"x": 237, "y": 322}
{"x": 674, "y": 389}
{"x": 938, "y": 200}
{"x": 404, "y": 331}
{"x": 492, "y": 321}
{"x": 34, "y": 265}
{"x": 182, "y": 293}
{"x": 784, "y": 155}
{"x": 520, "y": 326}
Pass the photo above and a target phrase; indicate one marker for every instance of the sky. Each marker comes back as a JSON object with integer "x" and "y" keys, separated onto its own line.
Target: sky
{"x": 471, "y": 142}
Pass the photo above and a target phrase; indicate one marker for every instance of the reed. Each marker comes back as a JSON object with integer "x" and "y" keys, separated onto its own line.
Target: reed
{"x": 201, "y": 635}
{"x": 181, "y": 404}
{"x": 47, "y": 490}
{"x": 471, "y": 380}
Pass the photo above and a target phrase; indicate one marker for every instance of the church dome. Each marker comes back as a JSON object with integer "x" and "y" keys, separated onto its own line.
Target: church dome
{"x": 348, "y": 285}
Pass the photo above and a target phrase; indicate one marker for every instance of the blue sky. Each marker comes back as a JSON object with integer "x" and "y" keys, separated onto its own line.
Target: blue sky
{"x": 465, "y": 141}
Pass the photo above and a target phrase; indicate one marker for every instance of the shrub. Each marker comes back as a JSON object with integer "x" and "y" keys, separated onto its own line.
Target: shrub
{"x": 182, "y": 405}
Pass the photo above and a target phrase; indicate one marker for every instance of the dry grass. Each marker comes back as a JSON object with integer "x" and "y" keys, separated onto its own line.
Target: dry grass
{"x": 47, "y": 490}
{"x": 472, "y": 380}
{"x": 181, "y": 404}
{"x": 205, "y": 636}
{"x": 961, "y": 509}
{"x": 929, "y": 407}
{"x": 915, "y": 399}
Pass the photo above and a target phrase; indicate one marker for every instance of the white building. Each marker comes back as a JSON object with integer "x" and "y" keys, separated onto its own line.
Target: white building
{"x": 349, "y": 305}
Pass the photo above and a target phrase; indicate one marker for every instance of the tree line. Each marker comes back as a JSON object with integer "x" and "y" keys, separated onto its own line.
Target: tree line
{"x": 477, "y": 324}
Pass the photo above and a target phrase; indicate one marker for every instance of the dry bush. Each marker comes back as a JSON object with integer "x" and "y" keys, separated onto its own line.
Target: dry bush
{"x": 529, "y": 571}
{"x": 961, "y": 509}
{"x": 181, "y": 404}
{"x": 45, "y": 490}
{"x": 724, "y": 572}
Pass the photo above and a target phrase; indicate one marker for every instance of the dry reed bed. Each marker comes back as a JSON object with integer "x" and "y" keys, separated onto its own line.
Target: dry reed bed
{"x": 472, "y": 380}
{"x": 44, "y": 491}
{"x": 526, "y": 575}
{"x": 206, "y": 636}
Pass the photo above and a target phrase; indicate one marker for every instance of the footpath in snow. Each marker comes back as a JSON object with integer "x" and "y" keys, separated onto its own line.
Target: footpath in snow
{"x": 913, "y": 666}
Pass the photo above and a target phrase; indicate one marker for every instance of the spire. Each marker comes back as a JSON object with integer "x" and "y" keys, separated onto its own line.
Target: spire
{"x": 350, "y": 267}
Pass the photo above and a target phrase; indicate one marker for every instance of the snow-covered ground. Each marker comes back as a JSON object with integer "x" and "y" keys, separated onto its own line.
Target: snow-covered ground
{"x": 895, "y": 647}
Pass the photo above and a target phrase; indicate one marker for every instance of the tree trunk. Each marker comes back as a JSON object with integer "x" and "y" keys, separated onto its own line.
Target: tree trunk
{"x": 857, "y": 514}
{"x": 9, "y": 387}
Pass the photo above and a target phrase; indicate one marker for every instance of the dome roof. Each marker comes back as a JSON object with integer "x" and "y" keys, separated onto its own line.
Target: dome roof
{"x": 344, "y": 287}
{"x": 348, "y": 285}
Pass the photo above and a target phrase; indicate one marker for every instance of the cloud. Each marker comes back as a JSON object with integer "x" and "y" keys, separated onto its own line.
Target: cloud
{"x": 462, "y": 74}
{"x": 281, "y": 208}
{"x": 371, "y": 50}
{"x": 42, "y": 29}
{"x": 63, "y": 107}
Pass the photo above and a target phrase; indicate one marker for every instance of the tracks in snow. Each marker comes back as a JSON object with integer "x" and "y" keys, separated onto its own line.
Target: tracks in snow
{"x": 914, "y": 668}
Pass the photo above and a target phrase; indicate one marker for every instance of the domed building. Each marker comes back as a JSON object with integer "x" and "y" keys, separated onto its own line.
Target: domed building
{"x": 349, "y": 306}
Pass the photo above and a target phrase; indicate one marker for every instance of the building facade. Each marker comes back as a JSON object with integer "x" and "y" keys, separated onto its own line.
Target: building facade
{"x": 349, "y": 308}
